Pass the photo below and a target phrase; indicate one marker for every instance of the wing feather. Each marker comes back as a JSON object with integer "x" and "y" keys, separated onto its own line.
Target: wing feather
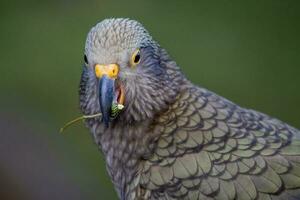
{"x": 210, "y": 148}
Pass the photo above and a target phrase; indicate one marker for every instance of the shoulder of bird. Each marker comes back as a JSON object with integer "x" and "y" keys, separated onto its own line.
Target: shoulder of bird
{"x": 210, "y": 148}
{"x": 175, "y": 140}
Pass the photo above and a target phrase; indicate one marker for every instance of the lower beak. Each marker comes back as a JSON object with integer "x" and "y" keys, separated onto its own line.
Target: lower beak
{"x": 106, "y": 96}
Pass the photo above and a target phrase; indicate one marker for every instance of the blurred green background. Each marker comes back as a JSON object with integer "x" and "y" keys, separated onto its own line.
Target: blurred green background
{"x": 247, "y": 51}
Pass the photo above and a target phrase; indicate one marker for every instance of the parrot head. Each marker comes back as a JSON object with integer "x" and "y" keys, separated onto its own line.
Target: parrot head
{"x": 124, "y": 76}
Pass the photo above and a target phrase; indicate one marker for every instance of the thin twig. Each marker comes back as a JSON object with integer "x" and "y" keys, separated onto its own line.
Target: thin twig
{"x": 78, "y": 119}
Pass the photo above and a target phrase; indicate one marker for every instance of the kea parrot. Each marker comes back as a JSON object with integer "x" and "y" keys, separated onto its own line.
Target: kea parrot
{"x": 169, "y": 139}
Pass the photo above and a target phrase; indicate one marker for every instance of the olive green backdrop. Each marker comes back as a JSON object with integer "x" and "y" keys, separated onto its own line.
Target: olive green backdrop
{"x": 247, "y": 51}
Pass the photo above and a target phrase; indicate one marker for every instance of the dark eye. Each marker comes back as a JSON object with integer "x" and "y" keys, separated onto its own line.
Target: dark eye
{"x": 85, "y": 59}
{"x": 136, "y": 57}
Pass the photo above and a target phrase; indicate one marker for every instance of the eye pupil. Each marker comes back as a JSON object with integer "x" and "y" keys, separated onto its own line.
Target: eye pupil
{"x": 137, "y": 58}
{"x": 85, "y": 59}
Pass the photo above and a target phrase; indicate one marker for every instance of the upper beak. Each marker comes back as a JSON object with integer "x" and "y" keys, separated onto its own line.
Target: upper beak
{"x": 107, "y": 75}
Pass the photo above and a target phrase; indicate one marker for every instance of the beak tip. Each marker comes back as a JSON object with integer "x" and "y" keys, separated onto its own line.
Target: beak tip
{"x": 106, "y": 122}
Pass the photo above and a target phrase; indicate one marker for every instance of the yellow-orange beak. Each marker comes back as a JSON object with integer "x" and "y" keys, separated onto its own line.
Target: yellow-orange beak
{"x": 111, "y": 70}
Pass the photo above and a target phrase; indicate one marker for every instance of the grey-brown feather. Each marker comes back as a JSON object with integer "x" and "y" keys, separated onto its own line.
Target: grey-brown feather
{"x": 175, "y": 140}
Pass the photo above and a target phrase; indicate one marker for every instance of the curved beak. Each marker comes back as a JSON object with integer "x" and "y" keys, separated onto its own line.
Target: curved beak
{"x": 107, "y": 75}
